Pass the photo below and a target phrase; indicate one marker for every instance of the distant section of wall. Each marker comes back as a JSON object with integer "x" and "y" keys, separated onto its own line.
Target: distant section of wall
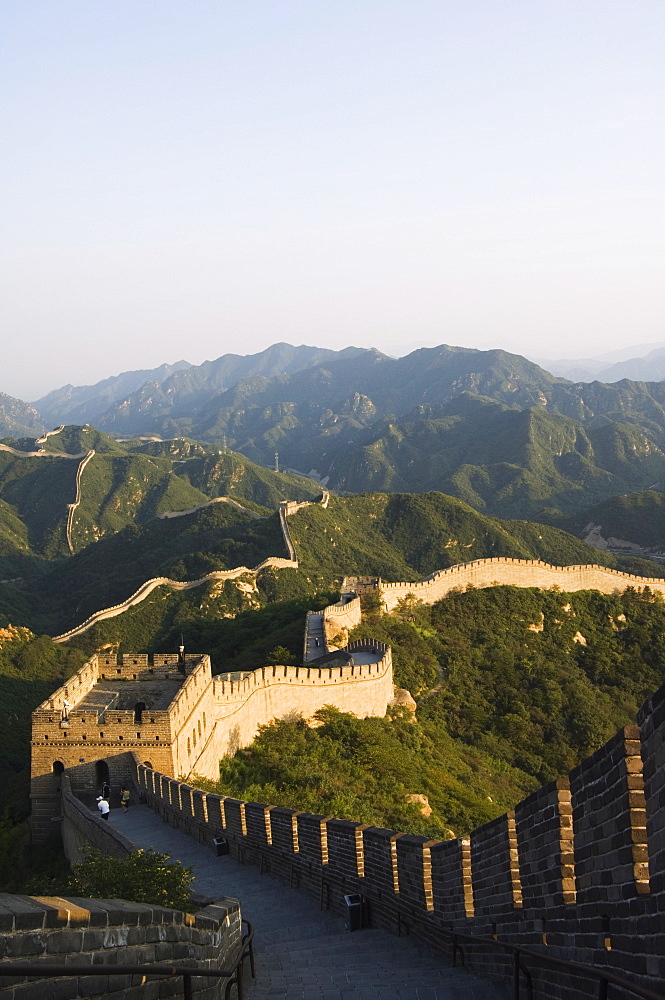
{"x": 518, "y": 573}
{"x": 54, "y": 930}
{"x": 246, "y": 700}
{"x": 340, "y": 618}
{"x": 202, "y": 506}
{"x": 286, "y": 508}
{"x": 574, "y": 871}
{"x": 40, "y": 454}
{"x": 72, "y": 506}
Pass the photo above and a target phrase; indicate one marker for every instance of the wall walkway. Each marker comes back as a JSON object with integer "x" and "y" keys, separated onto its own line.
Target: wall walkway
{"x": 577, "y": 868}
{"x": 302, "y": 950}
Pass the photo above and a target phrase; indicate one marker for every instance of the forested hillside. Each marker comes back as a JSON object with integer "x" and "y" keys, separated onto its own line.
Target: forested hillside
{"x": 636, "y": 518}
{"x": 514, "y": 688}
{"x": 487, "y": 426}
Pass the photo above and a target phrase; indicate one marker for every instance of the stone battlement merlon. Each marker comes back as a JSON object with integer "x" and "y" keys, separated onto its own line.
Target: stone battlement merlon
{"x": 515, "y": 572}
{"x": 239, "y": 685}
{"x": 577, "y": 866}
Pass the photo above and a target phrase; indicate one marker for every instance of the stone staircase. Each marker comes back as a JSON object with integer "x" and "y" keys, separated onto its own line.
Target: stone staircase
{"x": 301, "y": 952}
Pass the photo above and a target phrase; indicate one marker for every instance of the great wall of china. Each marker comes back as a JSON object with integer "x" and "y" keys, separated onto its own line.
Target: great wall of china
{"x": 576, "y": 869}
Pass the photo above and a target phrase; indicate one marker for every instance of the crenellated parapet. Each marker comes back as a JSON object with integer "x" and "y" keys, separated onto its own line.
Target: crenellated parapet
{"x": 517, "y": 573}
{"x": 575, "y": 870}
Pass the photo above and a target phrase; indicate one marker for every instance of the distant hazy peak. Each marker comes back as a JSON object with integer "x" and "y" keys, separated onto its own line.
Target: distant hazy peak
{"x": 84, "y": 403}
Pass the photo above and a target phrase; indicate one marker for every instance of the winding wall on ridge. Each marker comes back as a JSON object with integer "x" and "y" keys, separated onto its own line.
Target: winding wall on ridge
{"x": 286, "y": 508}
{"x": 518, "y": 573}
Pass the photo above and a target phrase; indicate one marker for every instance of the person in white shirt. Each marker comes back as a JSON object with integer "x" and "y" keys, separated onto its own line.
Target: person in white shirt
{"x": 103, "y": 807}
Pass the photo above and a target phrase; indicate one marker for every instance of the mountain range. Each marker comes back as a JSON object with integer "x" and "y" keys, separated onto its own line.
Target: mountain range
{"x": 489, "y": 427}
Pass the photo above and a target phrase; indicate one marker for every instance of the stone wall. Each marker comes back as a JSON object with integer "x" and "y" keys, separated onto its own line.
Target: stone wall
{"x": 246, "y": 700}
{"x": 574, "y": 871}
{"x": 341, "y": 618}
{"x": 81, "y": 827}
{"x": 518, "y": 573}
{"x": 286, "y": 508}
{"x": 72, "y": 736}
{"x": 49, "y": 930}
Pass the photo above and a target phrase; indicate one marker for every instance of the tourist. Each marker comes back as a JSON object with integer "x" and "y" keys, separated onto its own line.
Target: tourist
{"x": 125, "y": 796}
{"x": 103, "y": 806}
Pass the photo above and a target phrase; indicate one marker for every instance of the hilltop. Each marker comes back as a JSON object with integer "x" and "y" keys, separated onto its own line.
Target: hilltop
{"x": 395, "y": 536}
{"x": 124, "y": 483}
{"x": 632, "y": 520}
{"x": 489, "y": 427}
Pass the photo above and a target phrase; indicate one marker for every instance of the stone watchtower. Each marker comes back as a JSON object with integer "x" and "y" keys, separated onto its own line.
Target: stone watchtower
{"x": 113, "y": 714}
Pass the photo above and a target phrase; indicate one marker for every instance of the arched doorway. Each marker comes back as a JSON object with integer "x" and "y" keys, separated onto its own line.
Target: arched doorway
{"x": 58, "y": 767}
{"x": 146, "y": 763}
{"x": 102, "y": 776}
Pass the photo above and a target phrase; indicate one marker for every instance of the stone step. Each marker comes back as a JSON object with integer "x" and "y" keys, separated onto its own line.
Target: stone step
{"x": 304, "y": 953}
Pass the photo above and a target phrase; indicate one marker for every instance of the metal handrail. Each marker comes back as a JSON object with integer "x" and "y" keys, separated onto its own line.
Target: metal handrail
{"x": 604, "y": 976}
{"x": 235, "y": 974}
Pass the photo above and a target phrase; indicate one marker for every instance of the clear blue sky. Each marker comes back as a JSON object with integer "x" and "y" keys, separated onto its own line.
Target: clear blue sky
{"x": 185, "y": 179}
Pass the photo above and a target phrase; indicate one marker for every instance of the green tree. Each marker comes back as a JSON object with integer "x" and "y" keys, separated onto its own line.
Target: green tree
{"x": 143, "y": 876}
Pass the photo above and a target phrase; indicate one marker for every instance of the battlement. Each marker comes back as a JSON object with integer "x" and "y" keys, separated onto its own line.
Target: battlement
{"x": 575, "y": 869}
{"x": 515, "y": 572}
{"x": 177, "y": 718}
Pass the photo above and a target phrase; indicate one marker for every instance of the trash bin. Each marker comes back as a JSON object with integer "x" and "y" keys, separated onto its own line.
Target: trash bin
{"x": 355, "y": 915}
{"x": 221, "y": 846}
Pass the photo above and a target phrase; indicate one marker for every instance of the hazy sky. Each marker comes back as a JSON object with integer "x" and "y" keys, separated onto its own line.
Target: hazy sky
{"x": 185, "y": 179}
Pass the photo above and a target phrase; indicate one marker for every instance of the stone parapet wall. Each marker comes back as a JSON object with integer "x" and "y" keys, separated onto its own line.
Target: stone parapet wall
{"x": 50, "y": 930}
{"x": 246, "y": 700}
{"x": 341, "y": 618}
{"x": 575, "y": 870}
{"x": 518, "y": 573}
{"x": 83, "y": 828}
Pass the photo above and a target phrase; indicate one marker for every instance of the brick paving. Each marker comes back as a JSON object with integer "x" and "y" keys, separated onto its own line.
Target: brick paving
{"x": 301, "y": 952}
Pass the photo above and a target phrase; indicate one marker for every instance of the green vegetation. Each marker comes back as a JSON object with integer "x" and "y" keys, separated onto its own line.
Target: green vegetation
{"x": 403, "y": 536}
{"x": 143, "y": 876}
{"x": 366, "y": 769}
{"x": 539, "y": 679}
{"x": 514, "y": 687}
{"x": 635, "y": 517}
{"x": 31, "y": 668}
{"x": 242, "y": 642}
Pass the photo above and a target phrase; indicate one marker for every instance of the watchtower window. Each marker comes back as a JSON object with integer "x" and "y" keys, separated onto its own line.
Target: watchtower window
{"x": 119, "y": 670}
{"x": 139, "y": 709}
{"x": 45, "y": 736}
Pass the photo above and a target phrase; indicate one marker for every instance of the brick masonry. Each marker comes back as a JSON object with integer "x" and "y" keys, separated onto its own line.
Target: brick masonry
{"x": 49, "y": 930}
{"x": 575, "y": 870}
